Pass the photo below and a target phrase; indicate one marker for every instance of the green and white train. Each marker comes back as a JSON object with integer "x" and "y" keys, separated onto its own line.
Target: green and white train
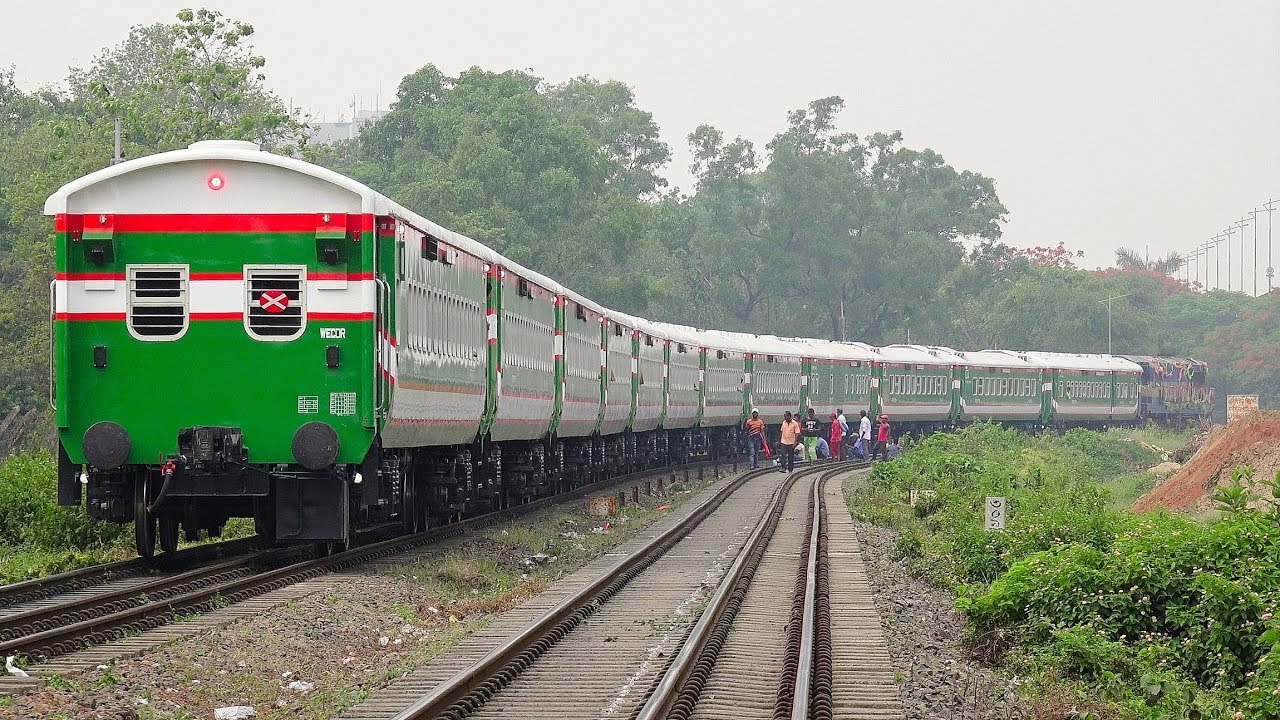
{"x": 239, "y": 333}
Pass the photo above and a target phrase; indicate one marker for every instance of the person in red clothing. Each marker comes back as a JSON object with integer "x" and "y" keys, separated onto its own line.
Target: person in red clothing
{"x": 837, "y": 435}
{"x": 882, "y": 438}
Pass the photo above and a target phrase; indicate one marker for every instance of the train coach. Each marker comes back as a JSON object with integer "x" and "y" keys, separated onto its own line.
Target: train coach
{"x": 238, "y": 333}
{"x": 243, "y": 334}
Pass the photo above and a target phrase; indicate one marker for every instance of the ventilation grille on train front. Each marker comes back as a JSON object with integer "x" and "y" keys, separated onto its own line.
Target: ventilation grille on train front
{"x": 276, "y": 308}
{"x": 158, "y": 307}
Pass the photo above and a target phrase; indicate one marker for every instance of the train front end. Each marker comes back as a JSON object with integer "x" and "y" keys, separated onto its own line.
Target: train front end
{"x": 214, "y": 323}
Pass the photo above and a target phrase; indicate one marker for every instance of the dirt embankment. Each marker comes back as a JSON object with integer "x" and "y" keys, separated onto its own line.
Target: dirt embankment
{"x": 1253, "y": 440}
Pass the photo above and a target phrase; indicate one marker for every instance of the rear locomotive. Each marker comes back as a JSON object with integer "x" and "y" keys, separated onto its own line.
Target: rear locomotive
{"x": 214, "y": 323}
{"x": 1173, "y": 389}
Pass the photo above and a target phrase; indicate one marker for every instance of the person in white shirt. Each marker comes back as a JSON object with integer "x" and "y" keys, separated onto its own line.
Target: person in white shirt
{"x": 864, "y": 430}
{"x": 844, "y": 424}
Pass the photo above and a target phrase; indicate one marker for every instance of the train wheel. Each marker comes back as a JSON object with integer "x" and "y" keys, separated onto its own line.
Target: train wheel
{"x": 144, "y": 523}
{"x": 169, "y": 534}
{"x": 410, "y": 513}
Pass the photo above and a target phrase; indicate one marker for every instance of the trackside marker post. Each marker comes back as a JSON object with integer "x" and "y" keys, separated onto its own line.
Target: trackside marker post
{"x": 995, "y": 514}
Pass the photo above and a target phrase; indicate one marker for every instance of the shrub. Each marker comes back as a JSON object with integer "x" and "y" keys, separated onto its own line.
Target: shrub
{"x": 30, "y": 514}
{"x": 1160, "y": 615}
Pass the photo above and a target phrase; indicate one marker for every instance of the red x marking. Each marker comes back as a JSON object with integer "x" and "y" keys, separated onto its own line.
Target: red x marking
{"x": 273, "y": 301}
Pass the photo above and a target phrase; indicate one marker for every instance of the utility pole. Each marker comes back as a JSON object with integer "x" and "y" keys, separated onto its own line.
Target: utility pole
{"x": 1242, "y": 224}
{"x": 1253, "y": 215}
{"x": 1107, "y": 302}
{"x": 1271, "y": 271}
{"x": 1217, "y": 262}
{"x": 1228, "y": 232}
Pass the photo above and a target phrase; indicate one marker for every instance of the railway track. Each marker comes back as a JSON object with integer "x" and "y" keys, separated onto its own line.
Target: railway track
{"x": 741, "y": 659}
{"x": 64, "y": 614}
{"x": 42, "y": 592}
{"x": 606, "y": 647}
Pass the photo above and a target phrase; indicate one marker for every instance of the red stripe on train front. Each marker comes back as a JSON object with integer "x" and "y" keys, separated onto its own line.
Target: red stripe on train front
{"x": 89, "y": 316}
{"x": 89, "y": 276}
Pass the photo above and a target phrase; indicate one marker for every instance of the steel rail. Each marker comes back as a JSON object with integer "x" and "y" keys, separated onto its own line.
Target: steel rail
{"x": 804, "y": 671}
{"x": 66, "y": 639}
{"x": 471, "y": 687}
{"x": 676, "y": 693}
{"x": 51, "y": 585}
{"x": 38, "y": 619}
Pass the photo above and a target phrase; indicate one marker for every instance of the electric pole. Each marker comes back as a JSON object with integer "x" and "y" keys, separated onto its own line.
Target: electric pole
{"x": 1107, "y": 302}
{"x": 1271, "y": 271}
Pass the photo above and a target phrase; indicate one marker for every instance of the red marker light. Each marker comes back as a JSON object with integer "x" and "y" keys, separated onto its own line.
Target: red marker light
{"x": 216, "y": 181}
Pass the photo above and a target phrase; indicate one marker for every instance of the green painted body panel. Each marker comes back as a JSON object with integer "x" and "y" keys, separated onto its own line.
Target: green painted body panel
{"x": 493, "y": 310}
{"x": 560, "y": 379}
{"x": 840, "y": 384}
{"x": 526, "y": 340}
{"x": 215, "y": 374}
{"x": 1000, "y": 396}
{"x": 441, "y": 349}
{"x": 725, "y": 397}
{"x": 683, "y": 391}
{"x": 775, "y": 386}
{"x": 1074, "y": 402}
{"x": 916, "y": 394}
{"x": 877, "y": 382}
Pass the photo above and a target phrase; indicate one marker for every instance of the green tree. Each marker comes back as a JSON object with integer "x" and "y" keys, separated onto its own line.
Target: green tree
{"x": 1127, "y": 259}
{"x": 194, "y": 79}
{"x": 551, "y": 176}
{"x": 833, "y": 231}
{"x": 171, "y": 85}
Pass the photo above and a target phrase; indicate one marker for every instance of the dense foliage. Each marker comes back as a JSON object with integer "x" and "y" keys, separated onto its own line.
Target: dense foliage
{"x": 37, "y": 536}
{"x": 821, "y": 232}
{"x": 1158, "y": 615}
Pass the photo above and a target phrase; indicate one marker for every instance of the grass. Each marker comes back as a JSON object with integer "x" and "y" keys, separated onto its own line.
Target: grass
{"x": 1128, "y": 487}
{"x": 1159, "y": 436}
{"x": 23, "y": 562}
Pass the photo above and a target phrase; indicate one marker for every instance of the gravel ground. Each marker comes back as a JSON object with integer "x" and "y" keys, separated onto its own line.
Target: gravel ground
{"x": 925, "y": 633}
{"x": 316, "y": 656}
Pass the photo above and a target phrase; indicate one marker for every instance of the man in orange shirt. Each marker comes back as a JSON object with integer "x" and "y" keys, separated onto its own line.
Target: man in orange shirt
{"x": 790, "y": 438}
{"x": 755, "y": 437}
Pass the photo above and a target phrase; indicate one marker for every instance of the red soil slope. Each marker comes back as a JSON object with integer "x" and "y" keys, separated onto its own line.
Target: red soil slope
{"x": 1251, "y": 439}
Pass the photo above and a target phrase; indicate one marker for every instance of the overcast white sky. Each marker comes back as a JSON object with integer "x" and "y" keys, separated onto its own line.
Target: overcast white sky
{"x": 1103, "y": 123}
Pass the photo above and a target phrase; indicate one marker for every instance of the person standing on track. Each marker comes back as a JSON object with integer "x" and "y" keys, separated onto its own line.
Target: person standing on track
{"x": 864, "y": 434}
{"x": 844, "y": 424}
{"x": 790, "y": 439}
{"x": 882, "y": 438}
{"x": 837, "y": 435}
{"x": 812, "y": 431}
{"x": 755, "y": 437}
